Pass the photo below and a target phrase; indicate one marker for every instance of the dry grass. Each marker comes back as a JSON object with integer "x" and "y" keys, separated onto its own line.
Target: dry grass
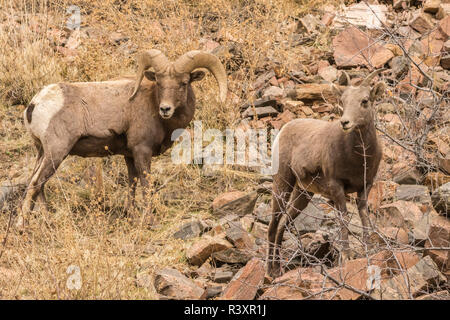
{"x": 84, "y": 226}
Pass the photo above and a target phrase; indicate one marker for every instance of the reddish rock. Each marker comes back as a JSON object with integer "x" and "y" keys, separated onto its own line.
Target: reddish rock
{"x": 356, "y": 273}
{"x": 381, "y": 191}
{"x": 246, "y": 282}
{"x": 353, "y": 48}
{"x": 439, "y": 236}
{"x": 391, "y": 234}
{"x": 296, "y": 285}
{"x": 431, "y": 6}
{"x": 444, "y": 26}
{"x": 235, "y": 202}
{"x": 421, "y": 22}
{"x": 173, "y": 284}
{"x": 411, "y": 283}
{"x": 202, "y": 249}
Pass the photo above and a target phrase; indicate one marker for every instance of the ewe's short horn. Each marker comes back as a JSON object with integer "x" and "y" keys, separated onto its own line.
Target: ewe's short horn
{"x": 146, "y": 59}
{"x": 369, "y": 78}
{"x": 199, "y": 59}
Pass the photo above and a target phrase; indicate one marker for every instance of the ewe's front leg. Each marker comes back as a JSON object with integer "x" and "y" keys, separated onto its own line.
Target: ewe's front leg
{"x": 338, "y": 193}
{"x": 361, "y": 202}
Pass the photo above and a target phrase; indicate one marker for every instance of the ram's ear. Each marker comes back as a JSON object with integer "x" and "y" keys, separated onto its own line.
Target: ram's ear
{"x": 335, "y": 90}
{"x": 150, "y": 75}
{"x": 197, "y": 76}
{"x": 377, "y": 91}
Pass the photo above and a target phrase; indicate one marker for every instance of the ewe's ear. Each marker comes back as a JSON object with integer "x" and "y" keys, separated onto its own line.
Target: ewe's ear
{"x": 150, "y": 75}
{"x": 197, "y": 76}
{"x": 336, "y": 90}
{"x": 377, "y": 91}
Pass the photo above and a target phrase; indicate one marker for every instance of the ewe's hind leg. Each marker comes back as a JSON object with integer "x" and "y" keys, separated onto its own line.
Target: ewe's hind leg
{"x": 283, "y": 184}
{"x": 299, "y": 201}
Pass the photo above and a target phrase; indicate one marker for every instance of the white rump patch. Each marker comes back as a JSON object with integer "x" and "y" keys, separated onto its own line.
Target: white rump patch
{"x": 46, "y": 104}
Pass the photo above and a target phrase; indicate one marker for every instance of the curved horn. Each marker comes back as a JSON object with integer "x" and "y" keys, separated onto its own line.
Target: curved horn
{"x": 199, "y": 59}
{"x": 369, "y": 78}
{"x": 344, "y": 79}
{"x": 146, "y": 59}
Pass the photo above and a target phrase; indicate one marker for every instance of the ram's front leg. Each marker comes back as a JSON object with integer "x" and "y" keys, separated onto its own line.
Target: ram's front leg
{"x": 142, "y": 155}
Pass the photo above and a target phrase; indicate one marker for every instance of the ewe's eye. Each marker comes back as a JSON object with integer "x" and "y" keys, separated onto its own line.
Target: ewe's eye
{"x": 365, "y": 103}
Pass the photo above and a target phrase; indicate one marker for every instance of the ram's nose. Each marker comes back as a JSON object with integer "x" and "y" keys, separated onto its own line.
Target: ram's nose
{"x": 165, "y": 110}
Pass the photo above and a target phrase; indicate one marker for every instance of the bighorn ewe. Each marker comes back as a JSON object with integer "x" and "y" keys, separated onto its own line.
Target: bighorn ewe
{"x": 96, "y": 119}
{"x": 332, "y": 159}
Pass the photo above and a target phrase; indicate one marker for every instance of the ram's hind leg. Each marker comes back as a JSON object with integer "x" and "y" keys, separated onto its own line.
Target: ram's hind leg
{"x": 49, "y": 163}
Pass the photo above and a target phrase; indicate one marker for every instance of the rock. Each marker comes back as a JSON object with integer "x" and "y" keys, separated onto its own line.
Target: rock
{"x": 399, "y": 66}
{"x": 431, "y": 6}
{"x": 263, "y": 79}
{"x": 439, "y": 236}
{"x": 391, "y": 234}
{"x": 311, "y": 218}
{"x": 263, "y": 213}
{"x": 298, "y": 284}
{"x": 421, "y": 275}
{"x": 234, "y": 202}
{"x": 400, "y": 4}
{"x": 264, "y": 188}
{"x": 282, "y": 119}
{"x": 440, "y": 295}
{"x": 313, "y": 91}
{"x": 259, "y": 230}
{"x": 231, "y": 256}
{"x": 213, "y": 291}
{"x": 445, "y": 62}
{"x": 246, "y": 282}
{"x": 190, "y": 230}
{"x": 238, "y": 236}
{"x": 356, "y": 273}
{"x": 421, "y": 22}
{"x": 415, "y": 193}
{"x": 273, "y": 92}
{"x": 260, "y": 112}
{"x": 407, "y": 215}
{"x": 308, "y": 23}
{"x": 434, "y": 180}
{"x": 293, "y": 106}
{"x": 447, "y": 46}
{"x": 381, "y": 191}
{"x": 260, "y": 103}
{"x": 202, "y": 249}
{"x": 329, "y": 73}
{"x": 353, "y": 48}
{"x": 173, "y": 284}
{"x": 371, "y": 16}
{"x": 441, "y": 199}
{"x": 315, "y": 245}
{"x": 407, "y": 175}
{"x": 223, "y": 277}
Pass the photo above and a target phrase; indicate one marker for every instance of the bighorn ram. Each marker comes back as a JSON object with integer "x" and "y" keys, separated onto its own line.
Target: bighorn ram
{"x": 332, "y": 159}
{"x": 96, "y": 119}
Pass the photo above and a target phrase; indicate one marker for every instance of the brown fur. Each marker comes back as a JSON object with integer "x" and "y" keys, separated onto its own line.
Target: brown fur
{"x": 316, "y": 156}
{"x": 98, "y": 119}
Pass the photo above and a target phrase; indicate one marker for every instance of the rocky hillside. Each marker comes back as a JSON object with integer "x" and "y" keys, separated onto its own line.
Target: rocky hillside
{"x": 210, "y": 238}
